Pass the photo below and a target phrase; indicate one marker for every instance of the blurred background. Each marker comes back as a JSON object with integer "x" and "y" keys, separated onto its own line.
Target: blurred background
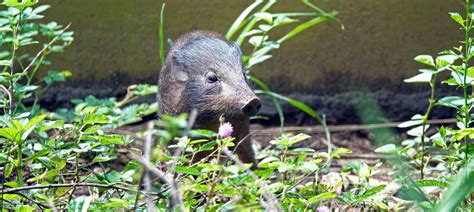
{"x": 329, "y": 67}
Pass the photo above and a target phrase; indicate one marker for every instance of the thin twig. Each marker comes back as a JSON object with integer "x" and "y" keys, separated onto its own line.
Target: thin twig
{"x": 146, "y": 173}
{"x": 175, "y": 193}
{"x": 46, "y": 47}
{"x": 26, "y": 188}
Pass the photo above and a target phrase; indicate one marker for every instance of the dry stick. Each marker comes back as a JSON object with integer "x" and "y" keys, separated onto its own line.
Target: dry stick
{"x": 146, "y": 172}
{"x": 46, "y": 47}
{"x": 175, "y": 193}
{"x": 345, "y": 128}
{"x": 272, "y": 204}
{"x": 26, "y": 188}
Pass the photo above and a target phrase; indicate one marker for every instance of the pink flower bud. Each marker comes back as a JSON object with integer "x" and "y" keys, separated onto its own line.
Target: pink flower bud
{"x": 225, "y": 130}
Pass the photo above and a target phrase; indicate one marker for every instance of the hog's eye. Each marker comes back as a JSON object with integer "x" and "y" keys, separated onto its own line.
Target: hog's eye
{"x": 212, "y": 78}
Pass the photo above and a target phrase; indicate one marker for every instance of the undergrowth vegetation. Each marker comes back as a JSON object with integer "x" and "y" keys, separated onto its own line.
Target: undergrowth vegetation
{"x": 77, "y": 159}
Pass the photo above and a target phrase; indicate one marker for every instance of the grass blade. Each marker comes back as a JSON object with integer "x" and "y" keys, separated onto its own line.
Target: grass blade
{"x": 459, "y": 189}
{"x": 238, "y": 22}
{"x": 275, "y": 101}
{"x": 303, "y": 27}
{"x": 161, "y": 37}
{"x": 252, "y": 23}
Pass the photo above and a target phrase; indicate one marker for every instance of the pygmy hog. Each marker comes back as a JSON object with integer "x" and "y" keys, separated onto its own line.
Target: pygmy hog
{"x": 204, "y": 72}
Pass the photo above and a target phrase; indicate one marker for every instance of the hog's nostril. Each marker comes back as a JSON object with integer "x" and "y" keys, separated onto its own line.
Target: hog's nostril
{"x": 252, "y": 107}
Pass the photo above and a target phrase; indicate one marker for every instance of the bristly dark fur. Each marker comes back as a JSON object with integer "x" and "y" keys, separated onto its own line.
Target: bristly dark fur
{"x": 184, "y": 85}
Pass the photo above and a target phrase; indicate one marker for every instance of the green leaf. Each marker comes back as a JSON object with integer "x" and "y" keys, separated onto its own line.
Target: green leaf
{"x": 10, "y": 133}
{"x": 267, "y": 17}
{"x": 457, "y": 18}
{"x": 297, "y": 138}
{"x": 92, "y": 129}
{"x": 96, "y": 119}
{"x": 444, "y": 61}
{"x": 423, "y": 77}
{"x": 102, "y": 158}
{"x": 111, "y": 139}
{"x": 187, "y": 170}
{"x": 432, "y": 182}
{"x": 370, "y": 192}
{"x": 20, "y": 5}
{"x": 388, "y": 148}
{"x": 425, "y": 59}
{"x": 303, "y": 27}
{"x": 340, "y": 151}
{"x": 322, "y": 196}
{"x": 5, "y": 62}
{"x": 116, "y": 203}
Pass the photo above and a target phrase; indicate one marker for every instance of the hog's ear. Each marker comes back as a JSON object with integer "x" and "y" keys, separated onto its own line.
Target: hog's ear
{"x": 178, "y": 71}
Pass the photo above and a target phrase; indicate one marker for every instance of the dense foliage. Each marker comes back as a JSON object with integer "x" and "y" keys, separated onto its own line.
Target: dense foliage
{"x": 79, "y": 159}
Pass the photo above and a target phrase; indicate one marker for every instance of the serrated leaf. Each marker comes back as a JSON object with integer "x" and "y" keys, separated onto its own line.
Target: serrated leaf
{"x": 432, "y": 182}
{"x": 96, "y": 119}
{"x": 111, "y": 139}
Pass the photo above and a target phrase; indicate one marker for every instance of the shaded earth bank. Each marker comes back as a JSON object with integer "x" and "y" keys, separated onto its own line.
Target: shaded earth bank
{"x": 339, "y": 108}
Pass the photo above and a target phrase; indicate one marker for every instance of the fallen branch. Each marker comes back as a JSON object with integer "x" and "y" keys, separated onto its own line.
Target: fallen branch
{"x": 343, "y": 128}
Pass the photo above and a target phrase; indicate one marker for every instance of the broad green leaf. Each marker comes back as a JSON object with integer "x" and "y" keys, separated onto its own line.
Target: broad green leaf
{"x": 257, "y": 40}
{"x": 111, "y": 139}
{"x": 370, "y": 192}
{"x": 425, "y": 59}
{"x": 432, "y": 182}
{"x": 457, "y": 18}
{"x": 5, "y": 62}
{"x": 187, "y": 170}
{"x": 19, "y": 4}
{"x": 10, "y": 133}
{"x": 116, "y": 203}
{"x": 268, "y": 160}
{"x": 423, "y": 77}
{"x": 340, "y": 151}
{"x": 388, "y": 149}
{"x": 96, "y": 119}
{"x": 297, "y": 138}
{"x": 267, "y": 17}
{"x": 418, "y": 131}
{"x": 322, "y": 196}
{"x": 102, "y": 158}
{"x": 444, "y": 61}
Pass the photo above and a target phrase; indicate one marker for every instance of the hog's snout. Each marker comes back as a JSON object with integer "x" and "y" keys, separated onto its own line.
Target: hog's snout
{"x": 252, "y": 106}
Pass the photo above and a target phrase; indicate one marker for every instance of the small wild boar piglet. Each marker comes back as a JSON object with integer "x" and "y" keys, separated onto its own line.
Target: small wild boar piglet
{"x": 204, "y": 71}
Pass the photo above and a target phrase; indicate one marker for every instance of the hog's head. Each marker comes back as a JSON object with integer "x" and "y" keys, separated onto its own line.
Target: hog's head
{"x": 205, "y": 72}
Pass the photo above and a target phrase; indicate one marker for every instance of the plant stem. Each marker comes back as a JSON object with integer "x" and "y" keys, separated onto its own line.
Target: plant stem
{"x": 19, "y": 168}
{"x": 466, "y": 58}
{"x": 432, "y": 101}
